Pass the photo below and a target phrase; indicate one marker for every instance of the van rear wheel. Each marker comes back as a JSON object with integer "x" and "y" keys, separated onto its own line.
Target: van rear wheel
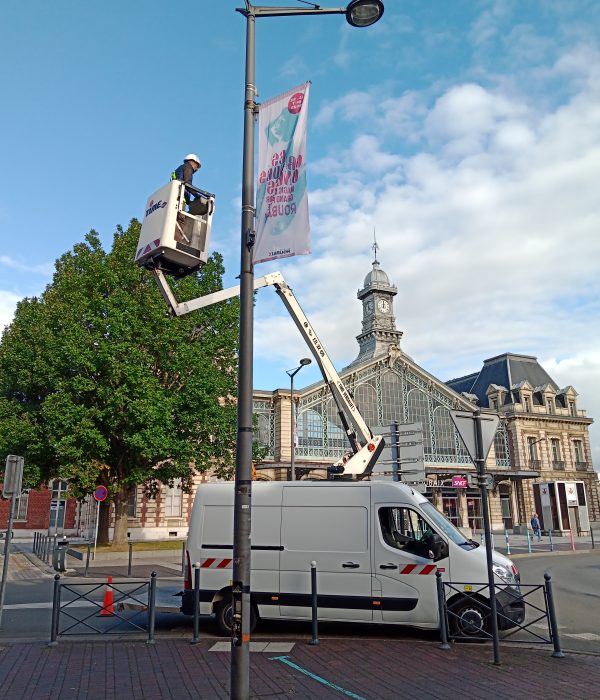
{"x": 224, "y": 616}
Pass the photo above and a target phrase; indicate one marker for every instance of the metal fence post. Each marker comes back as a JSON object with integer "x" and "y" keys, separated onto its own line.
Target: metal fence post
{"x": 315, "y": 610}
{"x": 151, "y": 608}
{"x": 551, "y": 543}
{"x": 592, "y": 536}
{"x": 528, "y": 541}
{"x": 196, "y": 634}
{"x": 34, "y": 541}
{"x": 442, "y": 611}
{"x": 557, "y": 653}
{"x": 55, "y": 612}
{"x": 572, "y": 539}
{"x": 130, "y": 558}
{"x": 87, "y": 559}
{"x": 507, "y": 542}
{"x": 183, "y": 558}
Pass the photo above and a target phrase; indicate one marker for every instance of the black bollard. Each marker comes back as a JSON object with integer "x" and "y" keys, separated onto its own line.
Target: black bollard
{"x": 87, "y": 559}
{"x": 130, "y": 559}
{"x": 315, "y": 613}
{"x": 557, "y": 653}
{"x": 196, "y": 635}
{"x": 442, "y": 611}
{"x": 183, "y": 558}
{"x": 151, "y": 608}
{"x": 55, "y": 612}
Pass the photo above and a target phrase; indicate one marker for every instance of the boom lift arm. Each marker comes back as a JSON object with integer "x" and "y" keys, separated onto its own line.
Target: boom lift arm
{"x": 366, "y": 447}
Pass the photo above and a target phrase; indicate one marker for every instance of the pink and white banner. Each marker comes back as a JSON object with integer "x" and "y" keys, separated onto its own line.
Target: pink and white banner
{"x": 282, "y": 226}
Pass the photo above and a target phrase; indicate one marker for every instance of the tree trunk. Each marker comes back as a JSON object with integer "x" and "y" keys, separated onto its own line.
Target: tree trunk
{"x": 121, "y": 501}
{"x": 104, "y": 522}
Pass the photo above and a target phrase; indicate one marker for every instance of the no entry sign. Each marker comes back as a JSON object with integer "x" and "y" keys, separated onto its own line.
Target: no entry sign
{"x": 101, "y": 493}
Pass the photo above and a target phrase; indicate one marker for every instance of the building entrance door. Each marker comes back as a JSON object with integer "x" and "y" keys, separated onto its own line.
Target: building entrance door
{"x": 506, "y": 508}
{"x": 57, "y": 507}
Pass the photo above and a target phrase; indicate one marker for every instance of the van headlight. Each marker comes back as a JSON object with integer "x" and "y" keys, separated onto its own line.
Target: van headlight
{"x": 504, "y": 573}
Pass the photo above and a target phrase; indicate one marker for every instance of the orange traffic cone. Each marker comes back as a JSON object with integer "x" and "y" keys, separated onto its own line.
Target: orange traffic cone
{"x": 108, "y": 607}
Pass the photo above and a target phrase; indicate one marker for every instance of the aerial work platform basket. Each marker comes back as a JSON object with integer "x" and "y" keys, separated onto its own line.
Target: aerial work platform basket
{"x": 176, "y": 229}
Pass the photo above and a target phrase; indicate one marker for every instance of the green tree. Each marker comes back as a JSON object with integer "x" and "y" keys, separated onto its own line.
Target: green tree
{"x": 99, "y": 385}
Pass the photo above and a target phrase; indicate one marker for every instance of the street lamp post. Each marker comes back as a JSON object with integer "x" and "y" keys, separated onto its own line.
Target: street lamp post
{"x": 359, "y": 13}
{"x": 291, "y": 374}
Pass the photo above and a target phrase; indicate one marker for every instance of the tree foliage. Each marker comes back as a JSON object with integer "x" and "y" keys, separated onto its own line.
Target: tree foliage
{"x": 99, "y": 385}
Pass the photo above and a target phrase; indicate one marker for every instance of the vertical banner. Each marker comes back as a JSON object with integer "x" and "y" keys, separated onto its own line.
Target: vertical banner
{"x": 282, "y": 226}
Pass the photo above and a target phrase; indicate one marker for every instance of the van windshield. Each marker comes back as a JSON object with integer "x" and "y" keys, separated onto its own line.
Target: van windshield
{"x": 444, "y": 525}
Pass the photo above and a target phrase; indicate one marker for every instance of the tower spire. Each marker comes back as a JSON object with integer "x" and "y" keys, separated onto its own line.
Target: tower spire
{"x": 375, "y": 247}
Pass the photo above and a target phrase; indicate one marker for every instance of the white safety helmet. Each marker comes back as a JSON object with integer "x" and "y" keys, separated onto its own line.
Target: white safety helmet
{"x": 194, "y": 157}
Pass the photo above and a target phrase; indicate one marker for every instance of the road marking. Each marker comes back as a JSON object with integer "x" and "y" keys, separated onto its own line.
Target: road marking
{"x": 42, "y": 606}
{"x": 588, "y": 636}
{"x": 270, "y": 647}
{"x": 285, "y": 660}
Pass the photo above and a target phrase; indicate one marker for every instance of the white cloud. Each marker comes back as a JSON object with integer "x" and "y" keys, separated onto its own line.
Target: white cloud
{"x": 45, "y": 269}
{"x": 8, "y": 304}
{"x": 489, "y": 229}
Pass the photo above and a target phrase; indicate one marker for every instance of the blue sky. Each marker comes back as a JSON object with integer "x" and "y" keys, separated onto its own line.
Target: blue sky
{"x": 467, "y": 133}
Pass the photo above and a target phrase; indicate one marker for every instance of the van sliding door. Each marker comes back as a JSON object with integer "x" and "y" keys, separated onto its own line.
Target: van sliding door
{"x": 329, "y": 525}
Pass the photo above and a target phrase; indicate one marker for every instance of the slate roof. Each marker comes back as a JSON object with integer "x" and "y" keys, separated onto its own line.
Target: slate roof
{"x": 507, "y": 370}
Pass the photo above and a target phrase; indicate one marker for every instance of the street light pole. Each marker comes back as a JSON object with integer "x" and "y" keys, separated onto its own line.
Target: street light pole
{"x": 359, "y": 13}
{"x": 292, "y": 373}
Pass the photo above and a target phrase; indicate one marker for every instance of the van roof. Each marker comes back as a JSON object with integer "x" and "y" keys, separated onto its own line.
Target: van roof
{"x": 382, "y": 488}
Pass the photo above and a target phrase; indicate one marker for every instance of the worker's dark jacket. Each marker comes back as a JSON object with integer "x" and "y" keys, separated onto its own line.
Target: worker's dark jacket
{"x": 185, "y": 173}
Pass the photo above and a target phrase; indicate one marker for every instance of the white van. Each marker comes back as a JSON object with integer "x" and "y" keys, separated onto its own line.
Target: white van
{"x": 377, "y": 545}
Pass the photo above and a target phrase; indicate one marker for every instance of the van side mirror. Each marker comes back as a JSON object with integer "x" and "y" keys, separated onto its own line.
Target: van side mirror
{"x": 438, "y": 547}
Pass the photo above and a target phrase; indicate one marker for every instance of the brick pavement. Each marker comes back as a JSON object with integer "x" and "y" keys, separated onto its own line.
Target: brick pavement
{"x": 367, "y": 669}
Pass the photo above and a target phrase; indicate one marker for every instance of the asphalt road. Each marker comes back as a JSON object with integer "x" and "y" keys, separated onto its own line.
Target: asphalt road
{"x": 576, "y": 585}
{"x": 575, "y": 579}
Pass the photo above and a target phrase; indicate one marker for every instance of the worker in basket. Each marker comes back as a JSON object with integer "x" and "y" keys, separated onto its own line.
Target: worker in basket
{"x": 185, "y": 172}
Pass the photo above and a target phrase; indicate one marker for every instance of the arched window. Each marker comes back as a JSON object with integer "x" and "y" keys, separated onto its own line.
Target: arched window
{"x": 264, "y": 430}
{"x": 310, "y": 429}
{"x": 418, "y": 412}
{"x": 444, "y": 432}
{"x": 391, "y": 397}
{"x": 365, "y": 397}
{"x": 336, "y": 436}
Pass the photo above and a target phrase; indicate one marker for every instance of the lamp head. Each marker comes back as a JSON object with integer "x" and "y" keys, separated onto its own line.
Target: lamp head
{"x": 305, "y": 361}
{"x": 364, "y": 13}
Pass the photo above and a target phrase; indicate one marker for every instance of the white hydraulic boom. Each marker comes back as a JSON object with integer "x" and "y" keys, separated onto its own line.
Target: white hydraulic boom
{"x": 366, "y": 447}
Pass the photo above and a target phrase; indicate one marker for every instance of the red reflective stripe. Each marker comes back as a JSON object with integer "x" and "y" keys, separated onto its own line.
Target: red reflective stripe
{"x": 427, "y": 569}
{"x": 224, "y": 563}
{"x": 206, "y": 563}
{"x": 408, "y": 568}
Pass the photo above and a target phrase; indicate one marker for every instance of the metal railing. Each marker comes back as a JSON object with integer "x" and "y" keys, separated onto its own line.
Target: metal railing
{"x": 115, "y": 595}
{"x": 539, "y": 625}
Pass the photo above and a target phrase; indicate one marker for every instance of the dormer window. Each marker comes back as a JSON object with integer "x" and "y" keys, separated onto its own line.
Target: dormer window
{"x": 550, "y": 405}
{"x": 527, "y": 404}
{"x": 572, "y": 410}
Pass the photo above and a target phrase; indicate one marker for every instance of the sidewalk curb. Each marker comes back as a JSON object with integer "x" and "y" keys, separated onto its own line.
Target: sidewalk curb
{"x": 555, "y": 553}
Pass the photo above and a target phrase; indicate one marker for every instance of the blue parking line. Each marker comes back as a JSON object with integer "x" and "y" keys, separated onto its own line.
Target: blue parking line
{"x": 333, "y": 686}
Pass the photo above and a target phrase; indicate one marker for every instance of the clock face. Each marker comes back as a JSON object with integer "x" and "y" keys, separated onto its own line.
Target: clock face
{"x": 369, "y": 307}
{"x": 383, "y": 305}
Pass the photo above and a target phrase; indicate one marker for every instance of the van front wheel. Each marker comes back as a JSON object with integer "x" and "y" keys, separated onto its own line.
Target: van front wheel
{"x": 469, "y": 619}
{"x": 224, "y": 616}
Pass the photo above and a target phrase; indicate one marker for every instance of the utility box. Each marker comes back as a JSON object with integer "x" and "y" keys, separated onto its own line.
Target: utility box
{"x": 175, "y": 233}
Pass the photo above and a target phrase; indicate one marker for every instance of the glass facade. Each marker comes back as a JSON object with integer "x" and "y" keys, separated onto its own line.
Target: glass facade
{"x": 383, "y": 394}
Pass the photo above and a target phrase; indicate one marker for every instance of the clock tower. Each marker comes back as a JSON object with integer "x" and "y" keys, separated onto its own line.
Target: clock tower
{"x": 379, "y": 332}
